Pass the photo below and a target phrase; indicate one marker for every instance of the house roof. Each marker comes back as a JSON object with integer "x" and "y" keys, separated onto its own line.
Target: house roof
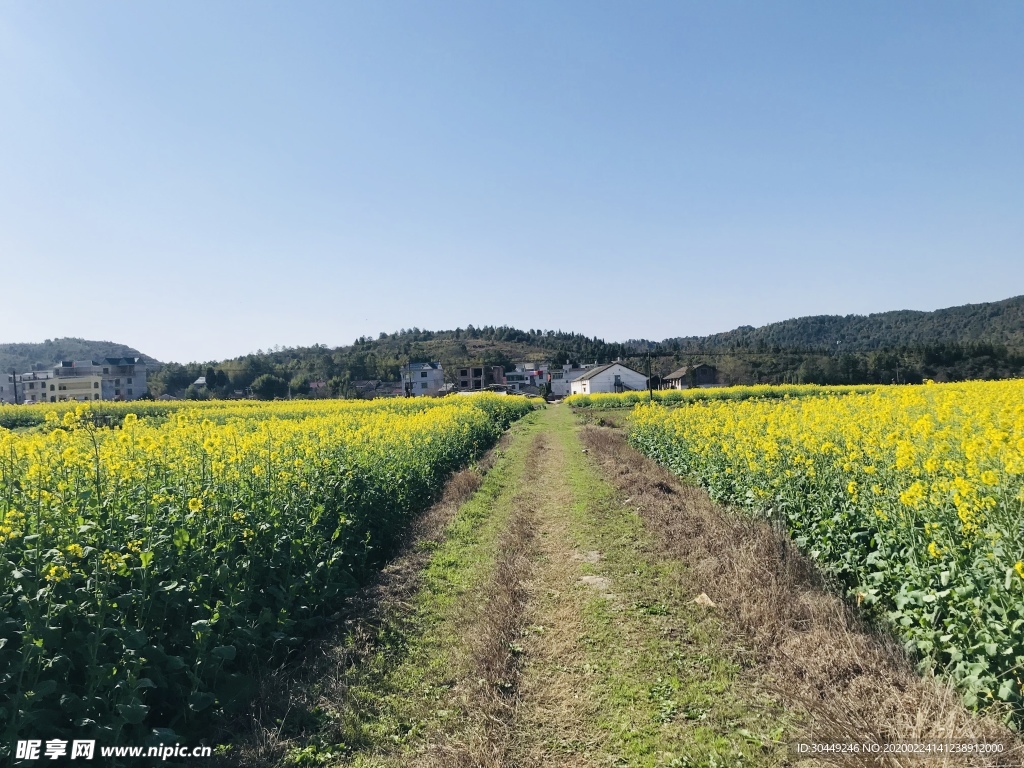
{"x": 423, "y": 366}
{"x": 685, "y": 371}
{"x": 573, "y": 375}
{"x": 118, "y": 361}
{"x": 601, "y": 369}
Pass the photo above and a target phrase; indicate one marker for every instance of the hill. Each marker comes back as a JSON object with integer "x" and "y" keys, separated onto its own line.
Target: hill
{"x": 967, "y": 342}
{"x": 974, "y": 341}
{"x": 999, "y": 322}
{"x": 29, "y": 357}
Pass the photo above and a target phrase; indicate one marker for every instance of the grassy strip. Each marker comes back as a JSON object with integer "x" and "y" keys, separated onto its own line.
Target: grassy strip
{"x": 659, "y": 686}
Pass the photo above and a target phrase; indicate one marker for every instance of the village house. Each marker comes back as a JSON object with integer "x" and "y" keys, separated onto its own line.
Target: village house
{"x": 112, "y": 378}
{"x": 613, "y": 377}
{"x": 561, "y": 379}
{"x": 688, "y": 376}
{"x": 420, "y": 379}
{"x": 527, "y": 378}
{"x": 480, "y": 376}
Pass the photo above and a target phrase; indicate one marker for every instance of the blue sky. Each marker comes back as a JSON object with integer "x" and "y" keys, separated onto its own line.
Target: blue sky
{"x": 200, "y": 180}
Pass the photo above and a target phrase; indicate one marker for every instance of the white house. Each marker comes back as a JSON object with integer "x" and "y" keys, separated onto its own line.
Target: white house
{"x": 561, "y": 379}
{"x": 613, "y": 377}
{"x": 527, "y": 377}
{"x": 423, "y": 379}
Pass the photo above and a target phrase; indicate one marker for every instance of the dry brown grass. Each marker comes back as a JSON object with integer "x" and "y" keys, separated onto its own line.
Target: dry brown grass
{"x": 321, "y": 679}
{"x": 854, "y": 683}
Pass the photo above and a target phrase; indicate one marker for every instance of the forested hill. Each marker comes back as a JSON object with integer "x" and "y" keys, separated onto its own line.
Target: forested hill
{"x": 383, "y": 357}
{"x": 968, "y": 342}
{"x": 28, "y": 357}
{"x": 999, "y": 323}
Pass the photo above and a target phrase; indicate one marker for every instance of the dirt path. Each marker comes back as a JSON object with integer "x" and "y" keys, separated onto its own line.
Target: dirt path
{"x": 546, "y": 633}
{"x": 619, "y": 666}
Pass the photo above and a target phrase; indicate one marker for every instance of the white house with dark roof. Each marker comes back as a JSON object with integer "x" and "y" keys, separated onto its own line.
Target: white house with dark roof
{"x": 561, "y": 379}
{"x": 613, "y": 377}
{"x": 423, "y": 379}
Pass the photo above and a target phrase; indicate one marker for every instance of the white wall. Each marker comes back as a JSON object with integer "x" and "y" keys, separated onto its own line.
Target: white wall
{"x": 605, "y": 381}
{"x": 561, "y": 387}
{"x": 434, "y": 381}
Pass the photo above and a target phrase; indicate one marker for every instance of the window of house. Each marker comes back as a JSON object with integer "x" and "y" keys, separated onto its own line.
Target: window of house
{"x": 129, "y": 392}
{"x": 117, "y": 382}
{"x": 423, "y": 374}
{"x": 96, "y": 385}
{"x": 95, "y": 397}
{"x": 423, "y": 385}
{"x": 129, "y": 381}
{"x": 106, "y": 370}
{"x": 51, "y": 387}
{"x": 117, "y": 391}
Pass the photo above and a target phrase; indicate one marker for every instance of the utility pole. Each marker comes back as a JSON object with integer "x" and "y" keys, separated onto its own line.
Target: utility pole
{"x": 14, "y": 381}
{"x": 650, "y": 385}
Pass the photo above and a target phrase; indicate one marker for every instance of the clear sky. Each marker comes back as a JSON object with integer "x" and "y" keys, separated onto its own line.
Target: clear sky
{"x": 199, "y": 180}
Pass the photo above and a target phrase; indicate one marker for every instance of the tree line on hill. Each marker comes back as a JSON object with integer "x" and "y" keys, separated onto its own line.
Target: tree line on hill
{"x": 276, "y": 372}
{"x": 975, "y": 341}
{"x": 292, "y": 371}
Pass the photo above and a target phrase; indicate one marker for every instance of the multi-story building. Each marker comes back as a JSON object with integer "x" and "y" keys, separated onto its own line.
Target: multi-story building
{"x": 481, "y": 376}
{"x": 28, "y": 387}
{"x": 422, "y": 379}
{"x": 112, "y": 378}
{"x": 527, "y": 377}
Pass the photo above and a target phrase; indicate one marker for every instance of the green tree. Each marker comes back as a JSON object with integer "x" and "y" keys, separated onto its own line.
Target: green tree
{"x": 268, "y": 386}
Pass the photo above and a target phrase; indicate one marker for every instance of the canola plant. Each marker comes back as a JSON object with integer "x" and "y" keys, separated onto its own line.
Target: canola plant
{"x": 912, "y": 498}
{"x": 149, "y": 566}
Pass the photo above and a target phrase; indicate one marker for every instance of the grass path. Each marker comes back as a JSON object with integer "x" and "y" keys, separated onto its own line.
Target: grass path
{"x": 621, "y": 668}
{"x": 545, "y": 632}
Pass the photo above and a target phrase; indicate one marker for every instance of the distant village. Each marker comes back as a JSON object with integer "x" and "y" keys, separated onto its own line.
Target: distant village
{"x": 122, "y": 379}
{"x": 112, "y": 378}
{"x": 544, "y": 380}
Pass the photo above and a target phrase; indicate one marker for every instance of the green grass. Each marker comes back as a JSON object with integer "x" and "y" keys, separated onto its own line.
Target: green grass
{"x": 669, "y": 691}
